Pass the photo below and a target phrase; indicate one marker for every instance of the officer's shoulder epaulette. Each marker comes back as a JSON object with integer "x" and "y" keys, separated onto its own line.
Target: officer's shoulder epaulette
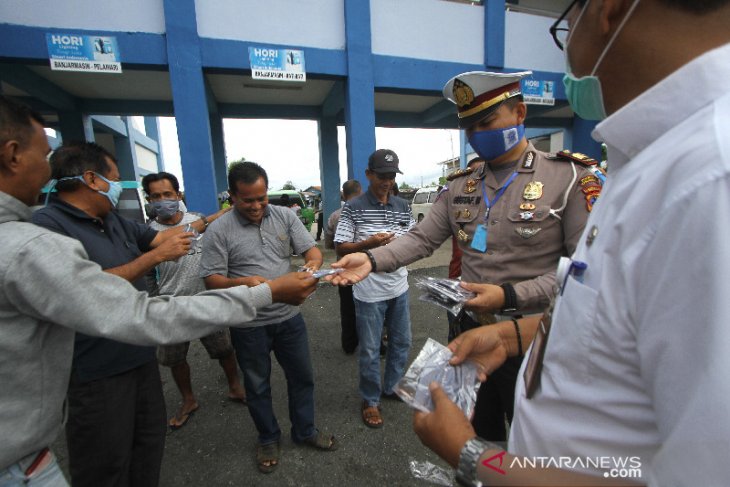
{"x": 566, "y": 155}
{"x": 459, "y": 173}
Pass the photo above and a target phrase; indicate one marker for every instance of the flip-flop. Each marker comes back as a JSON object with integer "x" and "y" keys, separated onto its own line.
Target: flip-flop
{"x": 268, "y": 453}
{"x": 371, "y": 414}
{"x": 185, "y": 418}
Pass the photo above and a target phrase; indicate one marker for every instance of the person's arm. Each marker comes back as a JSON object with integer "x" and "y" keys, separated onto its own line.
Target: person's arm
{"x": 170, "y": 249}
{"x": 446, "y": 431}
{"x": 419, "y": 242}
{"x": 313, "y": 259}
{"x": 374, "y": 241}
{"x": 218, "y": 281}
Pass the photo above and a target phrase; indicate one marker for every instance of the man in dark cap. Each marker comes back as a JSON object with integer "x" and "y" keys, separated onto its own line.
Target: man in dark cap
{"x": 368, "y": 221}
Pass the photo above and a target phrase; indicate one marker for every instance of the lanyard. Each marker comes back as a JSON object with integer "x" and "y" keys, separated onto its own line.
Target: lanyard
{"x": 498, "y": 195}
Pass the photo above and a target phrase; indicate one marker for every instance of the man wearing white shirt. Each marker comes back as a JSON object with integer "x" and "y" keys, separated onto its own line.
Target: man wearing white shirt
{"x": 634, "y": 371}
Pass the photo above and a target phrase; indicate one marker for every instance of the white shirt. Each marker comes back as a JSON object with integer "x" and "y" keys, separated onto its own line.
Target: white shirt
{"x": 638, "y": 357}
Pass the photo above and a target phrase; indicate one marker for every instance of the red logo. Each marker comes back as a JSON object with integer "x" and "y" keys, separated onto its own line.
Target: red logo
{"x": 500, "y": 456}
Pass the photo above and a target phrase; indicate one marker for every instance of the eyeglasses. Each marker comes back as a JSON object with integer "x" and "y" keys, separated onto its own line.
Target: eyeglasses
{"x": 560, "y": 34}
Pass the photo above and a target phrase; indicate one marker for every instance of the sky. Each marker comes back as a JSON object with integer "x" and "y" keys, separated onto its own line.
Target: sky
{"x": 289, "y": 149}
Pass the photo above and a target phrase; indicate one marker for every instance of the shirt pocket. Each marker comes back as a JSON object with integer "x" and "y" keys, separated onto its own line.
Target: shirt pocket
{"x": 572, "y": 332}
{"x": 465, "y": 218}
{"x": 281, "y": 243}
{"x": 531, "y": 227}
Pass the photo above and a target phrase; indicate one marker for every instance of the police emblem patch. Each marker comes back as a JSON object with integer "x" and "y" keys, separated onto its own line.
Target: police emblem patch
{"x": 533, "y": 191}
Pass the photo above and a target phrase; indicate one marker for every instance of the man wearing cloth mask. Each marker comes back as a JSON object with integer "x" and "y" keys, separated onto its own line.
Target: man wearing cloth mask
{"x": 180, "y": 278}
{"x": 116, "y": 410}
{"x": 513, "y": 218}
{"x": 630, "y": 365}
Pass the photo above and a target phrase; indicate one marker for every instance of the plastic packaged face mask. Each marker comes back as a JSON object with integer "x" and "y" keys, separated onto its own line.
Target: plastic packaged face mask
{"x": 459, "y": 382}
{"x": 446, "y": 293}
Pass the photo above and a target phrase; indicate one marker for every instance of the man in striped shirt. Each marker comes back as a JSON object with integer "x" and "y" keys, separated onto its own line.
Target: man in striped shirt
{"x": 371, "y": 220}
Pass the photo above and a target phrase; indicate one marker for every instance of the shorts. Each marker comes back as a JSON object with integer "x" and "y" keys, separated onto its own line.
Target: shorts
{"x": 218, "y": 345}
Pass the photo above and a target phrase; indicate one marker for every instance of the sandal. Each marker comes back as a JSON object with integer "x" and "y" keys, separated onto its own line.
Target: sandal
{"x": 371, "y": 416}
{"x": 267, "y": 457}
{"x": 322, "y": 441}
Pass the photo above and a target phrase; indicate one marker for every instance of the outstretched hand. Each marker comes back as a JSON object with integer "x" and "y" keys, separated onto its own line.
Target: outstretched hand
{"x": 292, "y": 288}
{"x": 357, "y": 267}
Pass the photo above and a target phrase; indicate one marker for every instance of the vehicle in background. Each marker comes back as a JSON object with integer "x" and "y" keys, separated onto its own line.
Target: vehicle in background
{"x": 131, "y": 202}
{"x": 296, "y": 202}
{"x": 423, "y": 201}
{"x": 407, "y": 194}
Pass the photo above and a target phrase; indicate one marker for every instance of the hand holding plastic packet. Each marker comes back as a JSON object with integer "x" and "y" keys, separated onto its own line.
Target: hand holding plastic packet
{"x": 459, "y": 382}
{"x": 320, "y": 273}
{"x": 446, "y": 293}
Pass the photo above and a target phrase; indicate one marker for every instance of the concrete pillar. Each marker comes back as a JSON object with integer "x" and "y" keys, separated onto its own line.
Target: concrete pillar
{"x": 191, "y": 108}
{"x": 359, "y": 88}
{"x": 329, "y": 165}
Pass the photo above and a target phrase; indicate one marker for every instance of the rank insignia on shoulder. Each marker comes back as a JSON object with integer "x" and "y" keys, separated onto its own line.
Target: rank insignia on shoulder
{"x": 528, "y": 160}
{"x": 459, "y": 173}
{"x": 575, "y": 157}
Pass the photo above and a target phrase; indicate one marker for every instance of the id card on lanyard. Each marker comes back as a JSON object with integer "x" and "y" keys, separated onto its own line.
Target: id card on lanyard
{"x": 479, "y": 241}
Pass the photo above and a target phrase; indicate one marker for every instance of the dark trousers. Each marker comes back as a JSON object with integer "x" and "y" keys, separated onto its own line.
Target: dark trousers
{"x": 116, "y": 429}
{"x": 320, "y": 224}
{"x": 348, "y": 336}
{"x": 496, "y": 396}
{"x": 288, "y": 340}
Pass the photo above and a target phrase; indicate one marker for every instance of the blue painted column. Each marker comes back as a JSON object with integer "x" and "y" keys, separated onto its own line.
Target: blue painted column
{"x": 126, "y": 153}
{"x": 359, "y": 88}
{"x": 152, "y": 130}
{"x": 329, "y": 165}
{"x": 582, "y": 140}
{"x": 220, "y": 163}
{"x": 494, "y": 32}
{"x": 189, "y": 101}
{"x": 75, "y": 126}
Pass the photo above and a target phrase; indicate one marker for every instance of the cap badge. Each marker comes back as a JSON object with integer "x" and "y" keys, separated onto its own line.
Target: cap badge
{"x": 533, "y": 191}
{"x": 463, "y": 94}
{"x": 389, "y": 157}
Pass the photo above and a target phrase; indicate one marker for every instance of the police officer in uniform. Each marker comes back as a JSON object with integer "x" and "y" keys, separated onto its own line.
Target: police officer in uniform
{"x": 513, "y": 217}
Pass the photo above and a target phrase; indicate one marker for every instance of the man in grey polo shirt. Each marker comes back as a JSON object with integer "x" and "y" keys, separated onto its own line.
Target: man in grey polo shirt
{"x": 248, "y": 246}
{"x": 371, "y": 220}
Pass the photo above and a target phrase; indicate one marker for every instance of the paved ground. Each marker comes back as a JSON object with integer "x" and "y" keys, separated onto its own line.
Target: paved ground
{"x": 216, "y": 448}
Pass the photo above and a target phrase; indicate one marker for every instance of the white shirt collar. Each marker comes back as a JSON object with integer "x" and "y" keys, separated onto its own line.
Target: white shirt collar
{"x": 644, "y": 119}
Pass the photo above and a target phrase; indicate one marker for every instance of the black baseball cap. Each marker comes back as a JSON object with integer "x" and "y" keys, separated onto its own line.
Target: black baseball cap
{"x": 383, "y": 161}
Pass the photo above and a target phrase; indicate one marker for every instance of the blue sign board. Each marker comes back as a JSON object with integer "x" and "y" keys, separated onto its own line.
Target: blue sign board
{"x": 277, "y": 64}
{"x": 72, "y": 52}
{"x": 536, "y": 92}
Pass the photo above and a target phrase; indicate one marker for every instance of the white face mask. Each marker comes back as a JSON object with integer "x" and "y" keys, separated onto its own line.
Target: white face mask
{"x": 585, "y": 94}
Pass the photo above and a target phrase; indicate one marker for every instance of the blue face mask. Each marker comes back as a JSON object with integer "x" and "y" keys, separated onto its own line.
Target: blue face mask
{"x": 585, "y": 94}
{"x": 112, "y": 194}
{"x": 166, "y": 209}
{"x": 490, "y": 144}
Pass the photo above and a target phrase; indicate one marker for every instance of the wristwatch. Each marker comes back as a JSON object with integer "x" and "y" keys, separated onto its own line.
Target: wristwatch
{"x": 510, "y": 298}
{"x": 466, "y": 474}
{"x": 205, "y": 221}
